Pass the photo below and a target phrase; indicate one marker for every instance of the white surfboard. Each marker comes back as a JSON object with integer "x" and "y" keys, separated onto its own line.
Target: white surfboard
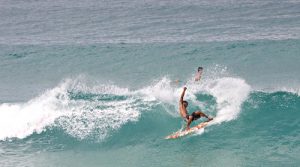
{"x": 186, "y": 132}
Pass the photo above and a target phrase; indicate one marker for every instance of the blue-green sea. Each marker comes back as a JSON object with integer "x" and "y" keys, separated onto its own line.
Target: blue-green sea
{"x": 96, "y": 83}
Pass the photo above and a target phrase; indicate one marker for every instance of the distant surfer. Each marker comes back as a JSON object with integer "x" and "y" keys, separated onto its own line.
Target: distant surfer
{"x": 185, "y": 115}
{"x": 199, "y": 74}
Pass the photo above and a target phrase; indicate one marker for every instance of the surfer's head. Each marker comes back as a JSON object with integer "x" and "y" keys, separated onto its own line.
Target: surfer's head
{"x": 200, "y": 69}
{"x": 185, "y": 103}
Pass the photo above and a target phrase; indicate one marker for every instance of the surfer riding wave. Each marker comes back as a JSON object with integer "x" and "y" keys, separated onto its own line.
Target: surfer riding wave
{"x": 184, "y": 113}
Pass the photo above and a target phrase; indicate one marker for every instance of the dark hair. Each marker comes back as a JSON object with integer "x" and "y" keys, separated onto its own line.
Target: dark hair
{"x": 185, "y": 102}
{"x": 200, "y": 68}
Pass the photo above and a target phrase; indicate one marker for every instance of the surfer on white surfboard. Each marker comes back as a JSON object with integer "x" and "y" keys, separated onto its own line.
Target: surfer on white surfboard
{"x": 185, "y": 115}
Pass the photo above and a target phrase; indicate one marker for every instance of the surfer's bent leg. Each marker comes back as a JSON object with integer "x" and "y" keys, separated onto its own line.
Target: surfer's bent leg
{"x": 202, "y": 115}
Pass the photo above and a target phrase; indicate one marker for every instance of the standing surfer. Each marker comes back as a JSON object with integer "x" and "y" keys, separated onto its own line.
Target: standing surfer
{"x": 185, "y": 115}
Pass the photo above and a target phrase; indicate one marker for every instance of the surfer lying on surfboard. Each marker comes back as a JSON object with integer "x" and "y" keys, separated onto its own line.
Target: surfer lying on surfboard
{"x": 185, "y": 115}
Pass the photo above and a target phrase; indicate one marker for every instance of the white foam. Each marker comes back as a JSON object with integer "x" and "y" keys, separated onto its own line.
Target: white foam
{"x": 22, "y": 119}
{"x": 86, "y": 120}
{"x": 163, "y": 92}
{"x": 79, "y": 118}
{"x": 230, "y": 93}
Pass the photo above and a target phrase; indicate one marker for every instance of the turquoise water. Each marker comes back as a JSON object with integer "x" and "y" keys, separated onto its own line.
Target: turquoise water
{"x": 93, "y": 83}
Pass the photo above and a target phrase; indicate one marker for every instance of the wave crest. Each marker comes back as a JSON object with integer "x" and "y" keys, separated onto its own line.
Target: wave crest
{"x": 92, "y": 111}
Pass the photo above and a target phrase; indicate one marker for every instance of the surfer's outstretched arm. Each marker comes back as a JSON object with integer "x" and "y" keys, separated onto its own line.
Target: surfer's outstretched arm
{"x": 182, "y": 95}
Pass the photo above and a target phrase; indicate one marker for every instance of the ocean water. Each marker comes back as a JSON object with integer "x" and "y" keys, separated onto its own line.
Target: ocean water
{"x": 93, "y": 83}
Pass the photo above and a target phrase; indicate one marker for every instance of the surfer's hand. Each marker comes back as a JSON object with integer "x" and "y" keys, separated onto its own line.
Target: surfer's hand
{"x": 209, "y": 119}
{"x": 184, "y": 88}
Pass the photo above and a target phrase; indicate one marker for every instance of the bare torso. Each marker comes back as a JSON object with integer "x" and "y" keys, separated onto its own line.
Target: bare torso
{"x": 182, "y": 110}
{"x": 198, "y": 75}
